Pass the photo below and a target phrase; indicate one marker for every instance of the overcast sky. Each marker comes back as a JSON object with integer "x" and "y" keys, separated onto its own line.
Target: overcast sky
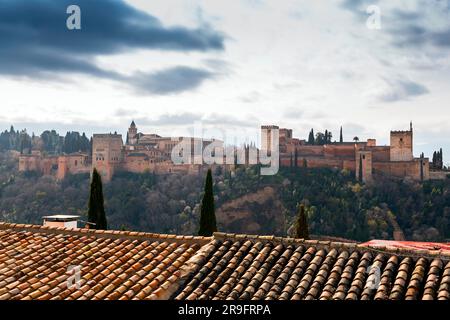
{"x": 232, "y": 64}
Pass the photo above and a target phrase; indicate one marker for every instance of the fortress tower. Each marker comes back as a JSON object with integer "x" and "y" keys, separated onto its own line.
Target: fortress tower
{"x": 266, "y": 137}
{"x": 402, "y": 145}
{"x": 364, "y": 158}
{"x": 106, "y": 154}
{"x": 132, "y": 134}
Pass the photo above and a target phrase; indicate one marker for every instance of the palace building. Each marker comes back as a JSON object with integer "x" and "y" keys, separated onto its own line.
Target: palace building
{"x": 152, "y": 153}
{"x": 395, "y": 160}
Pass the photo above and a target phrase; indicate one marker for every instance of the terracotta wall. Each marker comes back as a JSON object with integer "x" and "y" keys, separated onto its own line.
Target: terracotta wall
{"x": 339, "y": 151}
{"x": 404, "y": 169}
{"x": 310, "y": 151}
{"x": 380, "y": 153}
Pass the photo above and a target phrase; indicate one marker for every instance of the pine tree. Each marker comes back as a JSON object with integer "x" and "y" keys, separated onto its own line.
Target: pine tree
{"x": 341, "y": 137}
{"x": 301, "y": 225}
{"x": 207, "y": 215}
{"x": 96, "y": 210}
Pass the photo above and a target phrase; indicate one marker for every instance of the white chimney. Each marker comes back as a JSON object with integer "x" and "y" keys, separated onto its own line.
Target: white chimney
{"x": 61, "y": 220}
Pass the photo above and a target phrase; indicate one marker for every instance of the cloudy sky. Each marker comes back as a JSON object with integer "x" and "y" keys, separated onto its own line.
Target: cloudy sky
{"x": 228, "y": 64}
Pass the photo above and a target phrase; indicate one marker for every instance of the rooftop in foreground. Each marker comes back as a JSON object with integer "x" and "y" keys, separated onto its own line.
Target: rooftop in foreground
{"x": 39, "y": 262}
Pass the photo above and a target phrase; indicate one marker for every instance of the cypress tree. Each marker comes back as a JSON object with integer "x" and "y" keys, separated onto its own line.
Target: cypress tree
{"x": 360, "y": 178}
{"x": 296, "y": 158}
{"x": 311, "y": 137}
{"x": 341, "y": 137}
{"x": 422, "y": 156}
{"x": 96, "y": 210}
{"x": 301, "y": 227}
{"x": 207, "y": 214}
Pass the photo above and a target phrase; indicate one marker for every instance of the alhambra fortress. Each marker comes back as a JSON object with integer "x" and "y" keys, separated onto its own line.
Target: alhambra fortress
{"x": 152, "y": 153}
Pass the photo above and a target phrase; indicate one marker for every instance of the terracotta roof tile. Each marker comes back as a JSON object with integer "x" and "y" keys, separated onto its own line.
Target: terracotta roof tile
{"x": 34, "y": 263}
{"x": 295, "y": 269}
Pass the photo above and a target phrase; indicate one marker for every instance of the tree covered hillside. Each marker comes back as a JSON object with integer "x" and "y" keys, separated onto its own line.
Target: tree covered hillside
{"x": 335, "y": 204}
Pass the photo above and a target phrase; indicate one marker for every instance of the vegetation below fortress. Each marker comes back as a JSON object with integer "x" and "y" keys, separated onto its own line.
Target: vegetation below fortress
{"x": 337, "y": 205}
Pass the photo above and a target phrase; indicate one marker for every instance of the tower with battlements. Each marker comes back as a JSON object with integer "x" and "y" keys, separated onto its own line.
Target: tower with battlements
{"x": 402, "y": 145}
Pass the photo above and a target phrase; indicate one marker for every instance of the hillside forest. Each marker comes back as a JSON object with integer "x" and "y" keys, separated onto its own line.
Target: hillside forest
{"x": 336, "y": 204}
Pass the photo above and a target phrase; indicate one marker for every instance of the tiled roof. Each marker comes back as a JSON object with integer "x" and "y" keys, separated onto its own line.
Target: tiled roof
{"x": 443, "y": 247}
{"x": 271, "y": 268}
{"x": 35, "y": 264}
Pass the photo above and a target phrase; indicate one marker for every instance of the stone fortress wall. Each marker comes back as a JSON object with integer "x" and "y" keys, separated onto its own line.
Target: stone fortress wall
{"x": 152, "y": 153}
{"x": 395, "y": 160}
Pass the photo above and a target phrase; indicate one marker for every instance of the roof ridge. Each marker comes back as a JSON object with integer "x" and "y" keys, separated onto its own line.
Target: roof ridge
{"x": 111, "y": 234}
{"x": 337, "y": 245}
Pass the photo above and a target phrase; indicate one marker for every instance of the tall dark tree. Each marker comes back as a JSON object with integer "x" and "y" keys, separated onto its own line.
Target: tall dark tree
{"x": 422, "y": 156}
{"x": 296, "y": 158}
{"x": 360, "y": 177}
{"x": 311, "y": 138}
{"x": 96, "y": 209}
{"x": 341, "y": 137}
{"x": 328, "y": 137}
{"x": 207, "y": 213}
{"x": 301, "y": 225}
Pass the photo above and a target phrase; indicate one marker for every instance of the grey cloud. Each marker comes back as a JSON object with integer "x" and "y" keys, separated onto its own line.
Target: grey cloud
{"x": 358, "y": 7}
{"x": 219, "y": 65}
{"x": 409, "y": 27}
{"x": 171, "y": 80}
{"x": 190, "y": 118}
{"x": 293, "y": 113}
{"x": 221, "y": 119}
{"x": 170, "y": 119}
{"x": 401, "y": 89}
{"x": 251, "y": 97}
{"x": 37, "y": 44}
